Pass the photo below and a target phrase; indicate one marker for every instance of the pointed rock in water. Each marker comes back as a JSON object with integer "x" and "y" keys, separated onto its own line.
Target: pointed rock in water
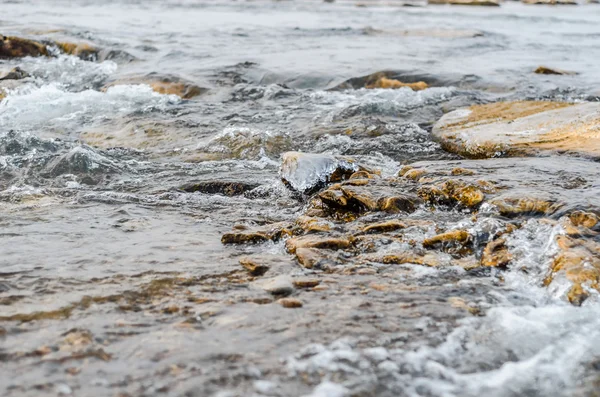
{"x": 521, "y": 128}
{"x": 15, "y": 74}
{"x": 307, "y": 172}
{"x": 546, "y": 70}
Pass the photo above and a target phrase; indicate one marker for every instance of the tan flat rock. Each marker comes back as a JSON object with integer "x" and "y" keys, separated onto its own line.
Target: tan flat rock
{"x": 521, "y": 128}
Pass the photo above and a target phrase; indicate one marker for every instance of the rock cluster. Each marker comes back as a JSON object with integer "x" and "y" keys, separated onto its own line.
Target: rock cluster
{"x": 368, "y": 219}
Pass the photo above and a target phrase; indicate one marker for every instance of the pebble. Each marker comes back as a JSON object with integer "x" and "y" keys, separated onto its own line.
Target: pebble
{"x": 280, "y": 285}
{"x": 290, "y": 303}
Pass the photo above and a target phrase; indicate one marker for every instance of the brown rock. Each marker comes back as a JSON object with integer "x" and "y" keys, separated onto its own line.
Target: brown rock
{"x": 414, "y": 174}
{"x": 546, "y": 70}
{"x": 362, "y": 175}
{"x": 290, "y": 303}
{"x": 313, "y": 225}
{"x": 360, "y": 198}
{"x": 517, "y": 206}
{"x": 399, "y": 203}
{"x": 585, "y": 219}
{"x": 384, "y": 82}
{"x": 254, "y": 268}
{"x": 579, "y": 261}
{"x": 452, "y": 191}
{"x": 383, "y": 227}
{"x": 495, "y": 254}
{"x": 401, "y": 258}
{"x": 453, "y": 236}
{"x": 483, "y": 131}
{"x": 461, "y": 171}
{"x": 16, "y": 47}
{"x": 309, "y": 257}
{"x": 270, "y": 232}
{"x": 309, "y": 283}
{"x": 164, "y": 84}
{"x": 84, "y": 51}
{"x": 314, "y": 241}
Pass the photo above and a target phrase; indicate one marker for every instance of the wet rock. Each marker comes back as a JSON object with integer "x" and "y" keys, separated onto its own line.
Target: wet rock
{"x": 384, "y": 82}
{"x": 257, "y": 235}
{"x": 420, "y": 80}
{"x": 16, "y": 47}
{"x": 313, "y": 225}
{"x": 84, "y": 51}
{"x": 579, "y": 261}
{"x": 315, "y": 241}
{"x": 309, "y": 257}
{"x": 496, "y": 254}
{"x": 278, "y": 286}
{"x": 452, "y": 192}
{"x": 253, "y": 267}
{"x": 15, "y": 74}
{"x": 461, "y": 171}
{"x": 521, "y": 128}
{"x": 245, "y": 143}
{"x": 290, "y": 303}
{"x": 518, "y": 206}
{"x": 355, "y": 198}
{"x": 546, "y": 70}
{"x": 307, "y": 283}
{"x": 384, "y": 227}
{"x": 399, "y": 203}
{"x": 586, "y": 219}
{"x": 306, "y": 172}
{"x": 454, "y": 236}
{"x": 81, "y": 160}
{"x": 402, "y": 258}
{"x": 219, "y": 187}
{"x": 164, "y": 84}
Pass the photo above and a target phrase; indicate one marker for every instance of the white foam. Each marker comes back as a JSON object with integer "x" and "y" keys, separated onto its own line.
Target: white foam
{"x": 51, "y": 105}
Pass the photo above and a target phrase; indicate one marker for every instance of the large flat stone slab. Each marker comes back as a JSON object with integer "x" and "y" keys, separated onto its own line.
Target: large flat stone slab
{"x": 521, "y": 128}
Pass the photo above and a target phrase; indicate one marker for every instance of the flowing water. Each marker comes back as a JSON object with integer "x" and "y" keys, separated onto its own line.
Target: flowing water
{"x": 113, "y": 277}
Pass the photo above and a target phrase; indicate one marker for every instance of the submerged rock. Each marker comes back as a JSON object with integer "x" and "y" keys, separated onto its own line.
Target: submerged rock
{"x": 384, "y": 82}
{"x": 270, "y": 232}
{"x": 546, "y": 70}
{"x": 219, "y": 187}
{"x": 16, "y": 47}
{"x": 521, "y": 128}
{"x": 307, "y": 172}
{"x": 164, "y": 84}
{"x": 253, "y": 267}
{"x": 84, "y": 51}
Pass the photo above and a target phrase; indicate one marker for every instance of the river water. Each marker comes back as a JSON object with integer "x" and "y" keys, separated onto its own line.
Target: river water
{"x": 114, "y": 280}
